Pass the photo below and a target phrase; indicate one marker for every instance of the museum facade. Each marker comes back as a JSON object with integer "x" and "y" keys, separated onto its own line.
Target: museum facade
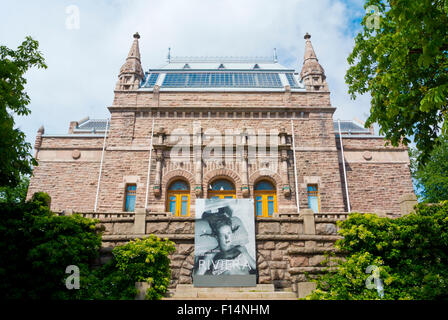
{"x": 220, "y": 127}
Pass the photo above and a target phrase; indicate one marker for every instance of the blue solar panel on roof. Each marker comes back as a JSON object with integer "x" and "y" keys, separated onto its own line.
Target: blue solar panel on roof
{"x": 149, "y": 80}
{"x": 222, "y": 79}
{"x": 292, "y": 81}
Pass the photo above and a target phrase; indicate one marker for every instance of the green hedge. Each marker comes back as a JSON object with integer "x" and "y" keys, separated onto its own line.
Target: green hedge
{"x": 411, "y": 253}
{"x": 37, "y": 245}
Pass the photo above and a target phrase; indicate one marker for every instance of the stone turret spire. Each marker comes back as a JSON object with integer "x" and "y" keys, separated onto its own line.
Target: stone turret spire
{"x": 312, "y": 74}
{"x": 131, "y": 73}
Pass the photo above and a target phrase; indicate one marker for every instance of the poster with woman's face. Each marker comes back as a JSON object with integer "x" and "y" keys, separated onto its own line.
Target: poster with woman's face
{"x": 224, "y": 243}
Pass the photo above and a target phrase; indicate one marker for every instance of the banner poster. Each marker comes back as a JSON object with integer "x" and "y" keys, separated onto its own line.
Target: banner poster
{"x": 224, "y": 243}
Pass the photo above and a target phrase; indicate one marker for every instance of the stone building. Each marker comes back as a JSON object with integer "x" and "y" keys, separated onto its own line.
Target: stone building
{"x": 223, "y": 127}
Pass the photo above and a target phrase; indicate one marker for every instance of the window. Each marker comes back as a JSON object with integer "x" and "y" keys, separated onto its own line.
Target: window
{"x": 221, "y": 189}
{"x": 265, "y": 199}
{"x": 178, "y": 199}
{"x": 313, "y": 198}
{"x": 131, "y": 191}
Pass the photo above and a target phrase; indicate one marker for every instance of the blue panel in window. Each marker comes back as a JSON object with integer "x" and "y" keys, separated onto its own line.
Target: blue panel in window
{"x": 130, "y": 197}
{"x": 259, "y": 206}
{"x": 264, "y": 185}
{"x": 173, "y": 205}
{"x": 270, "y": 205}
{"x": 313, "y": 203}
{"x": 222, "y": 185}
{"x": 179, "y": 185}
{"x": 184, "y": 206}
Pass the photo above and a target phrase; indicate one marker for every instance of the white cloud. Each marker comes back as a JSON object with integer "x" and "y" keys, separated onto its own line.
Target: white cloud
{"x": 83, "y": 64}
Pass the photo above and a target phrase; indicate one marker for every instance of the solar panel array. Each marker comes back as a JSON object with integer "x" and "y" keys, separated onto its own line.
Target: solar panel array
{"x": 149, "y": 80}
{"x": 219, "y": 80}
{"x": 292, "y": 81}
{"x": 222, "y": 79}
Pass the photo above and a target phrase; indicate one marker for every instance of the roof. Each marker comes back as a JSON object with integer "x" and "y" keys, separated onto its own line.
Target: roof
{"x": 349, "y": 126}
{"x": 98, "y": 125}
{"x": 222, "y": 73}
{"x": 91, "y": 126}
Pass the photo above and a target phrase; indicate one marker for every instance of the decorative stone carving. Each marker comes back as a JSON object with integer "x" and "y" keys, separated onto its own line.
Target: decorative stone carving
{"x": 156, "y": 191}
{"x": 198, "y": 191}
{"x": 367, "y": 155}
{"x": 286, "y": 190}
{"x": 76, "y": 154}
{"x": 245, "y": 191}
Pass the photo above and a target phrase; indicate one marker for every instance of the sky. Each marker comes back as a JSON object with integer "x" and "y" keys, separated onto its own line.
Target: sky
{"x": 83, "y": 63}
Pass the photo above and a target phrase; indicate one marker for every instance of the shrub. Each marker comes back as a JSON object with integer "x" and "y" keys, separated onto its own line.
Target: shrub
{"x": 411, "y": 253}
{"x": 142, "y": 260}
{"x": 37, "y": 245}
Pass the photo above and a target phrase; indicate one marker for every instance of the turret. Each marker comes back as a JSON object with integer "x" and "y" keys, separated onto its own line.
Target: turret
{"x": 312, "y": 74}
{"x": 131, "y": 73}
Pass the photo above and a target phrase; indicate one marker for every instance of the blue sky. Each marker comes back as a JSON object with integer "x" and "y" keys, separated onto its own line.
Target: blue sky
{"x": 83, "y": 63}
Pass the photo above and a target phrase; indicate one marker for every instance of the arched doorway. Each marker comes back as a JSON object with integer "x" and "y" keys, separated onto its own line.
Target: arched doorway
{"x": 265, "y": 198}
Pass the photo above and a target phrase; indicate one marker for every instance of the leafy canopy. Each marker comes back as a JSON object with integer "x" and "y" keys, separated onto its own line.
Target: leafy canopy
{"x": 404, "y": 66}
{"x": 15, "y": 152}
{"x": 432, "y": 179}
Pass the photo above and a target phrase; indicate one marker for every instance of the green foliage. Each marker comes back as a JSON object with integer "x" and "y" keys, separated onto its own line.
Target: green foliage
{"x": 404, "y": 66}
{"x": 15, "y": 152}
{"x": 37, "y": 245}
{"x": 142, "y": 260}
{"x": 15, "y": 194}
{"x": 411, "y": 253}
{"x": 147, "y": 261}
{"x": 432, "y": 178}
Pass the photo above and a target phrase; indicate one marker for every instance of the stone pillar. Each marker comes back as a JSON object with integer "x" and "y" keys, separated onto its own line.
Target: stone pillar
{"x": 284, "y": 162}
{"x": 197, "y": 154}
{"x": 158, "y": 173}
{"x": 139, "y": 221}
{"x": 158, "y": 148}
{"x": 308, "y": 221}
{"x": 407, "y": 203}
{"x": 244, "y": 158}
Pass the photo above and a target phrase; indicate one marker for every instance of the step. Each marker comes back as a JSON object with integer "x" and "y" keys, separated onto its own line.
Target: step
{"x": 277, "y": 295}
{"x": 261, "y": 291}
{"x": 191, "y": 288}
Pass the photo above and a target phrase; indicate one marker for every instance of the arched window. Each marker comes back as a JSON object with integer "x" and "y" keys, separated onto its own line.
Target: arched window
{"x": 265, "y": 199}
{"x": 178, "y": 198}
{"x": 221, "y": 189}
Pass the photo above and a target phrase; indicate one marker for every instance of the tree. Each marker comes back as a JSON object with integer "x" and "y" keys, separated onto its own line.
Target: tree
{"x": 15, "y": 194}
{"x": 432, "y": 179}
{"x": 404, "y": 66}
{"x": 410, "y": 255}
{"x": 36, "y": 246}
{"x": 16, "y": 159}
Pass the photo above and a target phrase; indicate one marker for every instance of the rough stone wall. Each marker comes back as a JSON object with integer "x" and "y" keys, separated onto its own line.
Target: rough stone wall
{"x": 70, "y": 185}
{"x": 377, "y": 175}
{"x": 284, "y": 252}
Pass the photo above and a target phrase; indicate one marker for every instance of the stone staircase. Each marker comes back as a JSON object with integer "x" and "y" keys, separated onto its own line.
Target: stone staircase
{"x": 260, "y": 292}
